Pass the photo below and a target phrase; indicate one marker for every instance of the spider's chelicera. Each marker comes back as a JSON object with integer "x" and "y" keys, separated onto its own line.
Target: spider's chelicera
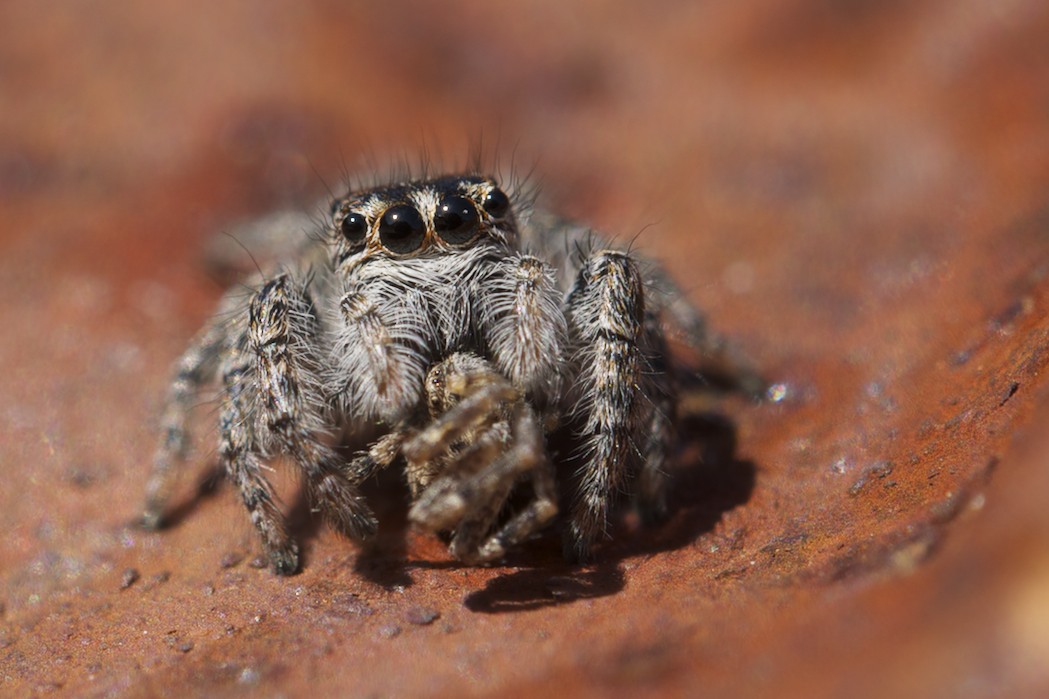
{"x": 460, "y": 337}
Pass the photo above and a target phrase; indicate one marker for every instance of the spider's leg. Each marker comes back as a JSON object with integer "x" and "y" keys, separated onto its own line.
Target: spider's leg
{"x": 651, "y": 495}
{"x": 609, "y": 401}
{"x": 242, "y": 456}
{"x": 716, "y": 353}
{"x": 523, "y": 325}
{"x": 195, "y": 368}
{"x": 283, "y": 335}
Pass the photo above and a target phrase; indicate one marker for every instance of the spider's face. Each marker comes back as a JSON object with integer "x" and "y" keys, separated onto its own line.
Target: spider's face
{"x": 421, "y": 218}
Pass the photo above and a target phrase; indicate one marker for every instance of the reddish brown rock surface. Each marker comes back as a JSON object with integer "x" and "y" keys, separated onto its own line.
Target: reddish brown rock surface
{"x": 856, "y": 192}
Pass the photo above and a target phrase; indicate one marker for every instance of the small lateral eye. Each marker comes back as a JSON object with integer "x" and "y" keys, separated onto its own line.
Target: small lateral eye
{"x": 354, "y": 227}
{"x": 402, "y": 229}
{"x": 496, "y": 203}
{"x": 456, "y": 220}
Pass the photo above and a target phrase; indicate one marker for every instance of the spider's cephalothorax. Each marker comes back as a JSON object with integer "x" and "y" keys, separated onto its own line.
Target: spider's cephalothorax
{"x": 543, "y": 328}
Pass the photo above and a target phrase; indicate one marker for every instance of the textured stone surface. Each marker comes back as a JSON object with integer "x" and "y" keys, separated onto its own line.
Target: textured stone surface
{"x": 856, "y": 192}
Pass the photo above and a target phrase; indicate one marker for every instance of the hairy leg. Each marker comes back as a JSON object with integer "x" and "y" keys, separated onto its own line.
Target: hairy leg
{"x": 242, "y": 456}
{"x": 195, "y": 368}
{"x": 283, "y": 336}
{"x": 651, "y": 494}
{"x": 610, "y": 405}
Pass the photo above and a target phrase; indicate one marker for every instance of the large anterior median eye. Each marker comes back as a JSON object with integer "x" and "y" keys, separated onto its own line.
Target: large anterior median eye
{"x": 402, "y": 229}
{"x": 456, "y": 220}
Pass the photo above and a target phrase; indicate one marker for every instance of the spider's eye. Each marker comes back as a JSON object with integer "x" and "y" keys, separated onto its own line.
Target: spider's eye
{"x": 496, "y": 203}
{"x": 402, "y": 229}
{"x": 455, "y": 220}
{"x": 354, "y": 227}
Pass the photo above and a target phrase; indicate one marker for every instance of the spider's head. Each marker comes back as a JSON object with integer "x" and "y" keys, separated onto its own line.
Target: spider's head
{"x": 424, "y": 217}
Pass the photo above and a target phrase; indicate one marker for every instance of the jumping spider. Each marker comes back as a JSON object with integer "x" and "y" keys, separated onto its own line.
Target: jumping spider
{"x": 470, "y": 335}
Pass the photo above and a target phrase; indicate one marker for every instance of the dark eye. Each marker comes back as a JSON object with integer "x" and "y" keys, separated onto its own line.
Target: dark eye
{"x": 402, "y": 229}
{"x": 354, "y": 227}
{"x": 496, "y": 203}
{"x": 455, "y": 220}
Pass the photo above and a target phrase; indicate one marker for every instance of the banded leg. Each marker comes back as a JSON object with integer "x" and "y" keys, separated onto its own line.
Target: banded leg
{"x": 242, "y": 457}
{"x": 717, "y": 355}
{"x": 194, "y": 369}
{"x": 283, "y": 329}
{"x": 651, "y": 495}
{"x": 379, "y": 455}
{"x": 606, "y": 311}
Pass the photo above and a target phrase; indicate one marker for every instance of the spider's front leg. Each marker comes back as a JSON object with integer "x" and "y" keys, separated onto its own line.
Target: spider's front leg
{"x": 610, "y": 402}
{"x": 242, "y": 454}
{"x": 283, "y": 335}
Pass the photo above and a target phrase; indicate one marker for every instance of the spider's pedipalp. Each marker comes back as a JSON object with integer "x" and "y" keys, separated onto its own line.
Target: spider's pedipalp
{"x": 381, "y": 351}
{"x": 524, "y": 326}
